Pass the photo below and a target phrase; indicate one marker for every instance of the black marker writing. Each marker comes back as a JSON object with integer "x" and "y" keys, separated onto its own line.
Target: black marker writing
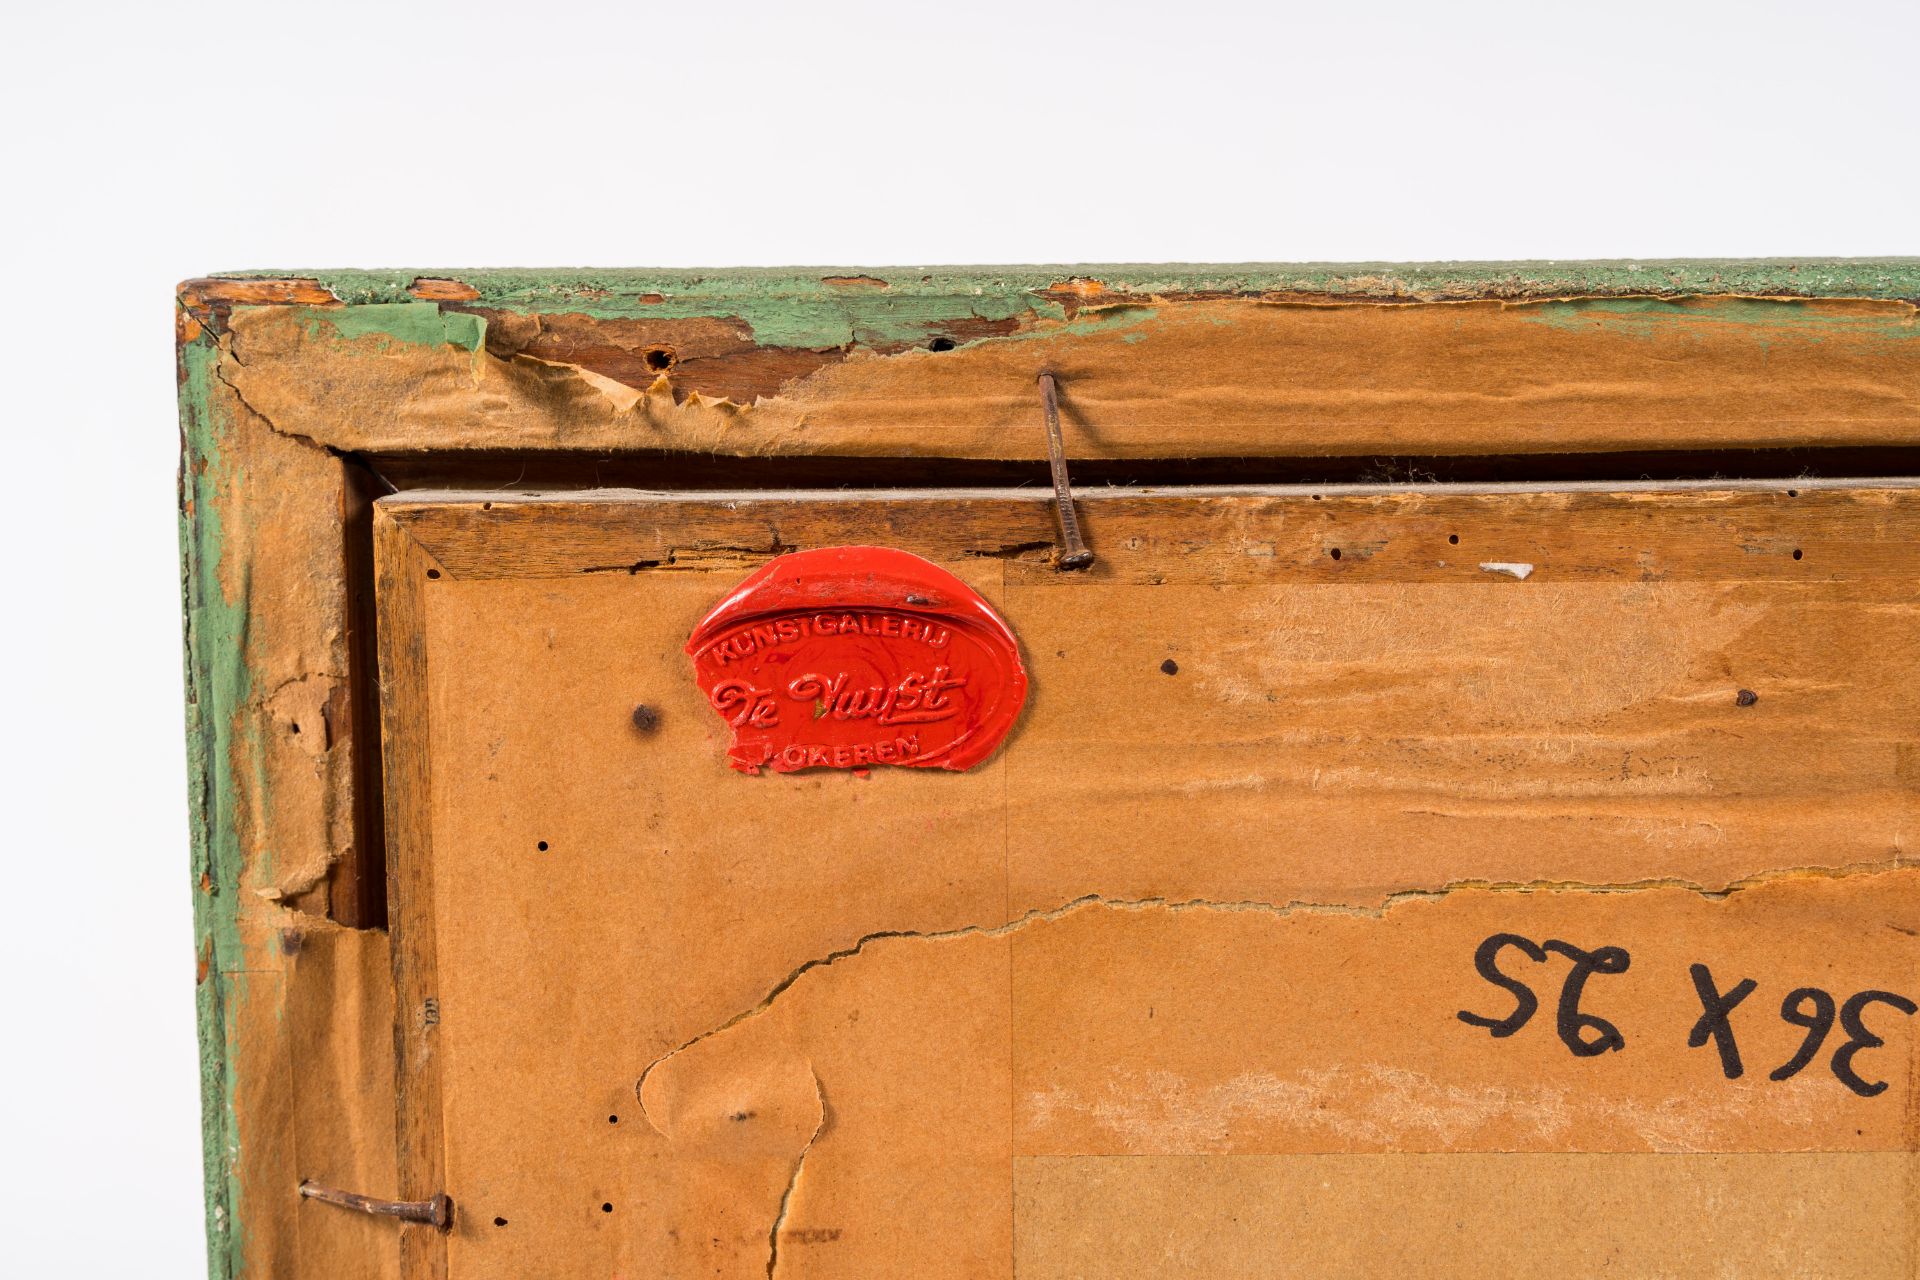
{"x": 1714, "y": 1009}
{"x": 1588, "y": 1035}
{"x": 1817, "y": 1023}
{"x": 1607, "y": 1037}
{"x": 1485, "y": 960}
{"x": 1572, "y": 1024}
{"x": 1860, "y": 1038}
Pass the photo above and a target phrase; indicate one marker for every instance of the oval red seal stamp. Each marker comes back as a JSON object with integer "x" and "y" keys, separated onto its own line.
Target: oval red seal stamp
{"x": 849, "y": 657}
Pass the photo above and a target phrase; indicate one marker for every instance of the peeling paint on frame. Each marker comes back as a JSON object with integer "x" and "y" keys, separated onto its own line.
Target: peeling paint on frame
{"x": 218, "y": 684}
{"x": 823, "y": 308}
{"x": 815, "y": 309}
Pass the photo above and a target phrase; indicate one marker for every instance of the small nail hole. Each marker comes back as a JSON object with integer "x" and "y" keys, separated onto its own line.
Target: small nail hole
{"x": 1796, "y": 553}
{"x": 1793, "y": 493}
{"x": 941, "y": 344}
{"x": 486, "y": 506}
{"x": 296, "y": 728}
{"x": 1745, "y": 698}
{"x": 499, "y": 1222}
{"x": 542, "y": 846}
{"x": 659, "y": 359}
{"x": 606, "y": 1208}
{"x": 1335, "y": 553}
{"x": 645, "y": 718}
{"x": 433, "y": 573}
{"x": 1454, "y": 539}
{"x": 613, "y": 1119}
{"x": 1169, "y": 668}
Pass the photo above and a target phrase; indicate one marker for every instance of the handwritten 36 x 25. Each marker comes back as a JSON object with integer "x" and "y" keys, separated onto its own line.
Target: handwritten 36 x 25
{"x": 1587, "y": 1035}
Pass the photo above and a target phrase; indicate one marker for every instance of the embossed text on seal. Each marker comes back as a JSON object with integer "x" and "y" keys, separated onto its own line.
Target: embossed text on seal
{"x": 849, "y": 657}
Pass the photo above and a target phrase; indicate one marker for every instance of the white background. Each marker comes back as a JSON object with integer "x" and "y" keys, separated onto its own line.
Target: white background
{"x": 148, "y": 142}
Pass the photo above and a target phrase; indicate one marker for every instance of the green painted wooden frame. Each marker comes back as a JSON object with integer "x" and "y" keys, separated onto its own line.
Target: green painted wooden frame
{"x": 238, "y": 479}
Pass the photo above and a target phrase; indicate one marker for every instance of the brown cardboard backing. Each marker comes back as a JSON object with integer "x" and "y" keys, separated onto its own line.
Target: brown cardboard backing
{"x": 1171, "y": 984}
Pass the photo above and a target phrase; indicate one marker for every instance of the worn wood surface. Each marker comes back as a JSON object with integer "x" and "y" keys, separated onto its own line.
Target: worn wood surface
{"x": 861, "y": 1015}
{"x": 285, "y": 997}
{"x": 284, "y": 380}
{"x": 332, "y": 1104}
{"x": 1401, "y": 533}
{"x": 1208, "y": 378}
{"x": 401, "y": 574}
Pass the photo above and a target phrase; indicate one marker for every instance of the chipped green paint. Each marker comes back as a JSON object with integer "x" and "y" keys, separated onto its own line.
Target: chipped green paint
{"x": 1108, "y": 319}
{"x": 878, "y": 320}
{"x": 417, "y": 323}
{"x": 802, "y": 307}
{"x": 1649, "y": 317}
{"x": 218, "y": 684}
{"x": 624, "y": 292}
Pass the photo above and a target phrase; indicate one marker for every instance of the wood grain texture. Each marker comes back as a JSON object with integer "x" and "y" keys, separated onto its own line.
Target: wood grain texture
{"x": 1221, "y": 378}
{"x": 1218, "y": 535}
{"x": 334, "y": 1101}
{"x": 613, "y": 290}
{"x": 284, "y": 379}
{"x": 402, "y": 569}
{"x": 272, "y": 736}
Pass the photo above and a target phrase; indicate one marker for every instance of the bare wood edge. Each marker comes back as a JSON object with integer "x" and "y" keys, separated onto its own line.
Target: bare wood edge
{"x": 1748, "y": 532}
{"x": 263, "y": 589}
{"x": 473, "y": 497}
{"x": 208, "y": 300}
{"x": 401, "y": 566}
{"x": 1248, "y": 377}
{"x": 1793, "y": 277}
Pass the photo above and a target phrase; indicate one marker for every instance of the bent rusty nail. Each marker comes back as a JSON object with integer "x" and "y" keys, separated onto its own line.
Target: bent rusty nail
{"x": 436, "y": 1212}
{"x": 1074, "y": 553}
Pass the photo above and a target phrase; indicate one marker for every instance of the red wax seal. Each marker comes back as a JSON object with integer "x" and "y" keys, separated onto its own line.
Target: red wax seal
{"x": 848, "y": 657}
